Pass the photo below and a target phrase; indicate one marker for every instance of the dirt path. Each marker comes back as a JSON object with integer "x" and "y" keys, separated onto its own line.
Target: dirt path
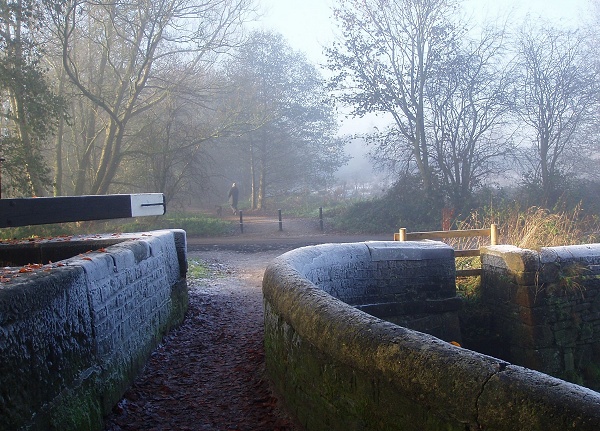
{"x": 208, "y": 374}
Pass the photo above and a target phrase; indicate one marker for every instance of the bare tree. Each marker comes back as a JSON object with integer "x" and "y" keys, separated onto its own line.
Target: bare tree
{"x": 557, "y": 98}
{"x": 119, "y": 54}
{"x": 445, "y": 92}
{"x": 470, "y": 105}
{"x": 383, "y": 62}
{"x": 290, "y": 137}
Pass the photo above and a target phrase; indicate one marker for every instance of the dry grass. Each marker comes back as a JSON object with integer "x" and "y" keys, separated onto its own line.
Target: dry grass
{"x": 538, "y": 228}
{"x": 533, "y": 228}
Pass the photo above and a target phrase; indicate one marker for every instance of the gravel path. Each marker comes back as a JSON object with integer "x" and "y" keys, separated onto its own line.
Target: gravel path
{"x": 208, "y": 374}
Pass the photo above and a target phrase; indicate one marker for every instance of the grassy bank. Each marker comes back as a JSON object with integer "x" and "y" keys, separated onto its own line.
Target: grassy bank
{"x": 193, "y": 224}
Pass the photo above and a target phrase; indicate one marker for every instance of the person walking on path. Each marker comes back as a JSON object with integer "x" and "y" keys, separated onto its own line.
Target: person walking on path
{"x": 233, "y": 198}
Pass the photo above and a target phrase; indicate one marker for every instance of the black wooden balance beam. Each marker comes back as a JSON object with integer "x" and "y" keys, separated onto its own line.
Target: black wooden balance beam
{"x": 63, "y": 209}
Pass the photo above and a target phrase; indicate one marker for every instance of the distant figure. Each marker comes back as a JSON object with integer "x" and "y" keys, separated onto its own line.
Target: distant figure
{"x": 233, "y": 198}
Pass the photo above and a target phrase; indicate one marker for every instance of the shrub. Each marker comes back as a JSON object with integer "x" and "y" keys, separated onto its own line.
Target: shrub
{"x": 404, "y": 205}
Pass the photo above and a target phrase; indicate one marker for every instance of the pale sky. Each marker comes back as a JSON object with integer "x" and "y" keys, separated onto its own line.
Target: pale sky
{"x": 307, "y": 24}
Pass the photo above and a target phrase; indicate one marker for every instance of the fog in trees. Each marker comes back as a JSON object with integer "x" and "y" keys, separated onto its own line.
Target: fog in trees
{"x": 557, "y": 97}
{"x": 288, "y": 142}
{"x": 466, "y": 103}
{"x": 125, "y": 59}
{"x": 174, "y": 97}
{"x": 180, "y": 97}
{"x": 30, "y": 110}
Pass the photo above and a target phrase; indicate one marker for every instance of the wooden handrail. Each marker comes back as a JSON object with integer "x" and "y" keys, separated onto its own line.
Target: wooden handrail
{"x": 492, "y": 233}
{"x": 472, "y": 252}
{"x": 412, "y": 236}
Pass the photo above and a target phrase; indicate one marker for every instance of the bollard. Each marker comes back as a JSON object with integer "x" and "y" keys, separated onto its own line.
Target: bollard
{"x": 280, "y": 222}
{"x": 321, "y": 218}
{"x": 241, "y": 223}
{"x": 402, "y": 234}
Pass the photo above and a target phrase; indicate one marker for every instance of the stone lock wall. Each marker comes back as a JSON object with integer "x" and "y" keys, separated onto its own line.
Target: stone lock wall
{"x": 339, "y": 368}
{"x": 413, "y": 287}
{"x": 545, "y": 308}
{"x": 73, "y": 338}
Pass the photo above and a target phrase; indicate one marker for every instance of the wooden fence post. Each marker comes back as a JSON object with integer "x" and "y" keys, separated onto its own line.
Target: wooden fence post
{"x": 280, "y": 221}
{"x": 493, "y": 234}
{"x": 321, "y": 218}
{"x": 402, "y": 235}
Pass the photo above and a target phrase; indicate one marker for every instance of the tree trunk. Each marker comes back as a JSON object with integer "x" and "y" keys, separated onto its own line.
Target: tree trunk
{"x": 545, "y": 171}
{"x": 262, "y": 180}
{"x": 261, "y": 190}
{"x": 89, "y": 134}
{"x": 58, "y": 154}
{"x": 17, "y": 103}
{"x": 253, "y": 185}
{"x": 35, "y": 185}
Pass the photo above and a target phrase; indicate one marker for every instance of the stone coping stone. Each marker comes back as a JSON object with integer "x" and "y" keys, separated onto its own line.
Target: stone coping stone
{"x": 15, "y": 253}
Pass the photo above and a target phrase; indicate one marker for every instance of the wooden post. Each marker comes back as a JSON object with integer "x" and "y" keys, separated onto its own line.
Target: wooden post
{"x": 2, "y": 159}
{"x": 402, "y": 236}
{"x": 493, "y": 234}
{"x": 241, "y": 222}
{"x": 321, "y": 218}
{"x": 280, "y": 222}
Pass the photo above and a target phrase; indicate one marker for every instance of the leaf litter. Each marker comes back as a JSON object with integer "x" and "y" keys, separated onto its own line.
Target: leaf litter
{"x": 209, "y": 373}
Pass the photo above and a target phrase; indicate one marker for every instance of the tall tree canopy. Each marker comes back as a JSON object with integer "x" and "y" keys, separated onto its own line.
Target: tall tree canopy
{"x": 124, "y": 58}
{"x": 29, "y": 109}
{"x": 557, "y": 98}
{"x": 444, "y": 93}
{"x": 289, "y": 141}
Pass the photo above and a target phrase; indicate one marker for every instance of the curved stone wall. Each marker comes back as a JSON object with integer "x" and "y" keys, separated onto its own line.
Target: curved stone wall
{"x": 74, "y": 333}
{"x": 339, "y": 368}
